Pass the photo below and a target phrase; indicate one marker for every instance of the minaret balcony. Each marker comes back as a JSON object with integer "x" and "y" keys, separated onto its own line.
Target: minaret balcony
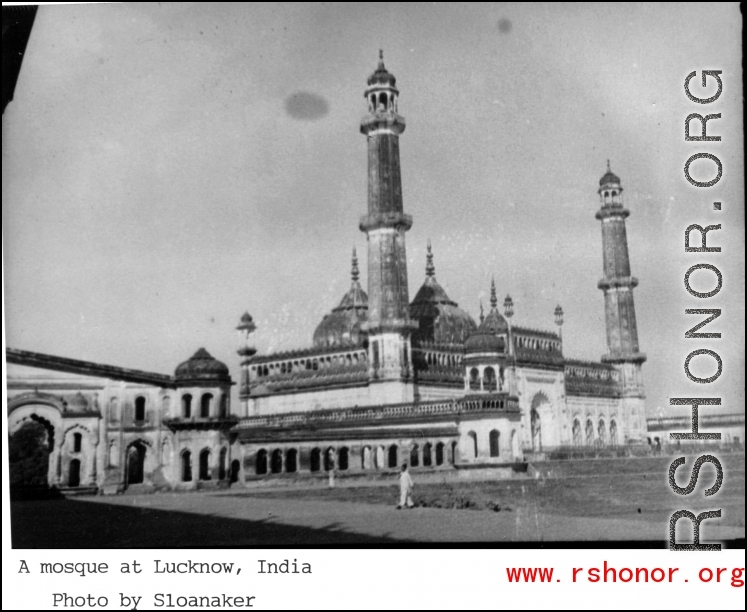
{"x": 380, "y": 220}
{"x": 383, "y": 120}
{"x": 618, "y": 281}
{"x": 607, "y": 212}
{"x": 629, "y": 357}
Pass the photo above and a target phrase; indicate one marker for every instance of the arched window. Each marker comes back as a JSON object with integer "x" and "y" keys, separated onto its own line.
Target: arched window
{"x": 316, "y": 460}
{"x": 73, "y": 477}
{"x": 589, "y": 432}
{"x": 392, "y": 459}
{"x": 494, "y": 446}
{"x": 222, "y": 463}
{"x": 440, "y": 453}
{"x": 602, "y": 432}
{"x": 291, "y": 460}
{"x": 375, "y": 350}
{"x": 166, "y": 407}
{"x": 489, "y": 380}
{"x": 260, "y": 467}
{"x": 536, "y": 425}
{"x": 186, "y": 406}
{"x": 474, "y": 379}
{"x": 276, "y": 461}
{"x": 205, "y": 402}
{"x": 382, "y": 99}
{"x": 414, "y": 455}
{"x": 223, "y": 406}
{"x": 427, "y": 454}
{"x": 235, "y": 470}
{"x": 453, "y": 455}
{"x": 343, "y": 458}
{"x": 367, "y": 458}
{"x": 186, "y": 466}
{"x": 577, "y": 438}
{"x": 329, "y": 459}
{"x": 140, "y": 408}
{"x": 205, "y": 464}
{"x": 613, "y": 432}
{"x": 114, "y": 411}
{"x": 379, "y": 458}
{"x": 515, "y": 450}
{"x": 472, "y": 443}
{"x": 77, "y": 442}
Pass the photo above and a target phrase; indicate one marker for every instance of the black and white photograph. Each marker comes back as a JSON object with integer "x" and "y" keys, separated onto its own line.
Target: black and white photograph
{"x": 373, "y": 275}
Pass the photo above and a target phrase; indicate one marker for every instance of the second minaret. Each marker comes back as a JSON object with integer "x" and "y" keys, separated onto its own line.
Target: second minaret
{"x": 389, "y": 325}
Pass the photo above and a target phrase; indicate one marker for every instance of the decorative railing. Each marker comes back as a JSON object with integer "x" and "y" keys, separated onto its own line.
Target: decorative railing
{"x": 308, "y": 369}
{"x": 685, "y": 423}
{"x": 590, "y": 378}
{"x": 391, "y": 412}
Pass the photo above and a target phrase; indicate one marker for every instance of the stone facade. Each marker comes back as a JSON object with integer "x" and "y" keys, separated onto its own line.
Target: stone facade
{"x": 386, "y": 381}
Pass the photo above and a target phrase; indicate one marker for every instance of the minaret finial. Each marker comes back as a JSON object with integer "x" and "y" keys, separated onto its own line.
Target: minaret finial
{"x": 493, "y": 296}
{"x": 354, "y": 273}
{"x": 430, "y": 269}
{"x": 381, "y": 58}
{"x": 608, "y": 166}
{"x": 482, "y": 313}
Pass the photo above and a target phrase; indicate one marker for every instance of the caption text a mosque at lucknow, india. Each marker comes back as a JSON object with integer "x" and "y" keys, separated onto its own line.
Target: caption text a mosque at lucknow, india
{"x": 162, "y": 600}
{"x": 709, "y": 80}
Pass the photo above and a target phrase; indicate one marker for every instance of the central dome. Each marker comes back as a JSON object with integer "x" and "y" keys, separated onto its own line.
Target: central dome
{"x": 342, "y": 327}
{"x": 440, "y": 320}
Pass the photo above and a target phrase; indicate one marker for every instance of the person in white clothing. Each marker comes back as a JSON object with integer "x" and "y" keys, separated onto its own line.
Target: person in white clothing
{"x": 405, "y": 488}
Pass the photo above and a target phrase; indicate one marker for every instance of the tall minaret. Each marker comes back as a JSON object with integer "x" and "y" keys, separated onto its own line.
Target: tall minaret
{"x": 389, "y": 324}
{"x": 617, "y": 285}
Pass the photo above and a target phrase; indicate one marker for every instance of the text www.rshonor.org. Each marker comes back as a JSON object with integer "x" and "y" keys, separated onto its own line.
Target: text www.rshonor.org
{"x": 608, "y": 573}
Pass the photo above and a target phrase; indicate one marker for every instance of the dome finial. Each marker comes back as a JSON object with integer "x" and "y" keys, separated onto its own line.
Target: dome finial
{"x": 355, "y": 273}
{"x": 482, "y": 313}
{"x": 493, "y": 296}
{"x": 608, "y": 166}
{"x": 381, "y": 58}
{"x": 430, "y": 269}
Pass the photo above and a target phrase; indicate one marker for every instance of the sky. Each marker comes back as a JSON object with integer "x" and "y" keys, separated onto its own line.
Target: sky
{"x": 167, "y": 166}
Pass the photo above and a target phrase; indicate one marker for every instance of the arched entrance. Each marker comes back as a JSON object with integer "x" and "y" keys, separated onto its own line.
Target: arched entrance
{"x": 205, "y": 464}
{"x": 135, "y": 463}
{"x": 235, "y": 469}
{"x": 73, "y": 476}
{"x": 536, "y": 426}
{"x": 29, "y": 448}
{"x": 577, "y": 439}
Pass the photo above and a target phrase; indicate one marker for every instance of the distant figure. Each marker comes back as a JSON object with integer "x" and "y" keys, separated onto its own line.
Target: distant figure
{"x": 405, "y": 488}
{"x": 332, "y": 478}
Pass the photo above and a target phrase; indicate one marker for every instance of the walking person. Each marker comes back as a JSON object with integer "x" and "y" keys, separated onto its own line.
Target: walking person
{"x": 405, "y": 488}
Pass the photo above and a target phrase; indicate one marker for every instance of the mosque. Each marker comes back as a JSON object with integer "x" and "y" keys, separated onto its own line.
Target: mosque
{"x": 386, "y": 380}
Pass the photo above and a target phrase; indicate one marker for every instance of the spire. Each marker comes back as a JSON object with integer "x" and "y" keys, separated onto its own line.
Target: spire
{"x": 493, "y": 296}
{"x": 430, "y": 269}
{"x": 354, "y": 272}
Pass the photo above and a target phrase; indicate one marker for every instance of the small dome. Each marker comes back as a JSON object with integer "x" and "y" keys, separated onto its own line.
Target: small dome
{"x": 202, "y": 368}
{"x": 381, "y": 76}
{"x": 440, "y": 320}
{"x": 485, "y": 339}
{"x": 609, "y": 178}
{"x": 342, "y": 327}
